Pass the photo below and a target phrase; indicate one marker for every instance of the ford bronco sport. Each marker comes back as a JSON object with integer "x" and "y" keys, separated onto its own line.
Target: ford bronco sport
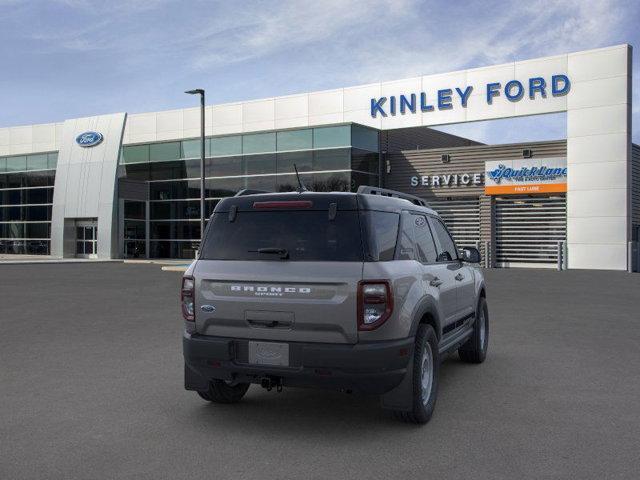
{"x": 357, "y": 291}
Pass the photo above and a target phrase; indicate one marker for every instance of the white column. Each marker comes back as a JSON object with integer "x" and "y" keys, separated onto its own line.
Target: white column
{"x": 599, "y": 158}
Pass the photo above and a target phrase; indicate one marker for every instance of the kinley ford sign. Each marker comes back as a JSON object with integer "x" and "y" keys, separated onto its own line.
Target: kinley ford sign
{"x": 504, "y": 177}
{"x": 445, "y": 99}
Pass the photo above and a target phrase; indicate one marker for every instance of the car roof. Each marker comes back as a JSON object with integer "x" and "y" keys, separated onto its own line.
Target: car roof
{"x": 322, "y": 200}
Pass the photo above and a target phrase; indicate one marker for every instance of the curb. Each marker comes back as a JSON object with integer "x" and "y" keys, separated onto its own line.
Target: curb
{"x": 174, "y": 268}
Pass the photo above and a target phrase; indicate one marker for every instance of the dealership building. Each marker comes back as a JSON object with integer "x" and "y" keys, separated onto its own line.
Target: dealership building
{"x": 127, "y": 185}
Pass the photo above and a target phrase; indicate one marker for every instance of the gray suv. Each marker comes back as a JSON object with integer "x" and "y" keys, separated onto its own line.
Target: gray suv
{"x": 357, "y": 291}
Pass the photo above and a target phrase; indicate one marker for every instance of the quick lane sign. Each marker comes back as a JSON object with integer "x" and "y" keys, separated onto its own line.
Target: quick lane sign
{"x": 526, "y": 175}
{"x": 445, "y": 99}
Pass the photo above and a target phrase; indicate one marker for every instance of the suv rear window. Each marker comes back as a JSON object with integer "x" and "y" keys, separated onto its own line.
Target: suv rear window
{"x": 306, "y": 235}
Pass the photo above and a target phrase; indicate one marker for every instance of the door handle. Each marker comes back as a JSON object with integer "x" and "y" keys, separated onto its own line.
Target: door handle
{"x": 436, "y": 282}
{"x": 459, "y": 277}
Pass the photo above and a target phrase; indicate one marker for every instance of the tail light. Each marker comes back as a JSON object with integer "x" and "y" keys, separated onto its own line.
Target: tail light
{"x": 375, "y": 303}
{"x": 186, "y": 298}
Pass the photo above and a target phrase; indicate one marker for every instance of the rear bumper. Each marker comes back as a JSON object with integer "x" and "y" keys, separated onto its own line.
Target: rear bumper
{"x": 374, "y": 367}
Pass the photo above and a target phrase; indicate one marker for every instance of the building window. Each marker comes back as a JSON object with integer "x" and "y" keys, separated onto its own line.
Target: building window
{"x": 16, "y": 164}
{"x": 302, "y": 160}
{"x": 224, "y": 166}
{"x": 52, "y": 160}
{"x": 256, "y": 161}
{"x": 161, "y": 152}
{"x": 260, "y": 164}
{"x": 192, "y": 148}
{"x": 259, "y": 143}
{"x": 37, "y": 162}
{"x": 364, "y": 138}
{"x": 135, "y": 154}
{"x": 328, "y": 137}
{"x": 224, "y": 146}
{"x": 295, "y": 140}
{"x": 339, "y": 159}
{"x": 26, "y": 195}
{"x": 134, "y": 210}
{"x": 364, "y": 161}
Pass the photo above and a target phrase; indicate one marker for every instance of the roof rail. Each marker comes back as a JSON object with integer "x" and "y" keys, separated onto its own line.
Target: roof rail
{"x": 248, "y": 191}
{"x": 384, "y": 192}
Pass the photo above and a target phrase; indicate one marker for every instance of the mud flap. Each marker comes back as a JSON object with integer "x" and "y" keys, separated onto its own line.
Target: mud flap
{"x": 401, "y": 397}
{"x": 193, "y": 380}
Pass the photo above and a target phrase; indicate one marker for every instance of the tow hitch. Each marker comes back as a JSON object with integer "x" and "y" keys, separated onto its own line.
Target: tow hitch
{"x": 269, "y": 383}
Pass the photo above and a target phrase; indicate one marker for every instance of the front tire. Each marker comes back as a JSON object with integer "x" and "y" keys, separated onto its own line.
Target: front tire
{"x": 425, "y": 374}
{"x": 474, "y": 350}
{"x": 222, "y": 392}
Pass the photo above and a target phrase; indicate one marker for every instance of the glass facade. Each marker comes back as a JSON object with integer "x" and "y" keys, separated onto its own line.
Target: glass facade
{"x": 26, "y": 197}
{"x": 333, "y": 158}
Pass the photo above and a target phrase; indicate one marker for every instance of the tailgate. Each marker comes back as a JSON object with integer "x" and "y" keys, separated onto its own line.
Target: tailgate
{"x": 278, "y": 300}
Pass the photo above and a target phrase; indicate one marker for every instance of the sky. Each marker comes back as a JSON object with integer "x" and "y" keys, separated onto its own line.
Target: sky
{"x": 72, "y": 58}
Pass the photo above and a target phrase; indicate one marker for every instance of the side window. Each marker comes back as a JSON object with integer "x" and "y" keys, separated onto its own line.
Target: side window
{"x": 406, "y": 249}
{"x": 384, "y": 233}
{"x": 426, "y": 249}
{"x": 446, "y": 246}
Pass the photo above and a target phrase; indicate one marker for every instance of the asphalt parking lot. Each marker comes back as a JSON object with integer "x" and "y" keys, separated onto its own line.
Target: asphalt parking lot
{"x": 91, "y": 387}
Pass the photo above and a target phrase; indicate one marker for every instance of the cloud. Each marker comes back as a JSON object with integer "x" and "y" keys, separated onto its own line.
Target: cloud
{"x": 290, "y": 25}
{"x": 482, "y": 37}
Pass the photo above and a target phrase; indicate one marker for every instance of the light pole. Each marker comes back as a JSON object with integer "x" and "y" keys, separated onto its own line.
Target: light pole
{"x": 200, "y": 91}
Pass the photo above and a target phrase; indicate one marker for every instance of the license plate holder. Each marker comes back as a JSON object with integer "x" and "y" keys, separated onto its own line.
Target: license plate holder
{"x": 269, "y": 353}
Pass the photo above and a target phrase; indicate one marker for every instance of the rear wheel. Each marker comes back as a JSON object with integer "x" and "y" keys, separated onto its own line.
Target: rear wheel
{"x": 425, "y": 377}
{"x": 223, "y": 392}
{"x": 475, "y": 349}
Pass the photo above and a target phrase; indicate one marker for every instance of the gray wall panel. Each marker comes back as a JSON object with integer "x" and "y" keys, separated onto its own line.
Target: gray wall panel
{"x": 85, "y": 185}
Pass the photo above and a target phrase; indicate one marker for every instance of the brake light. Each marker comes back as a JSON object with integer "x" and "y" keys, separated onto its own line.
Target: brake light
{"x": 187, "y": 298}
{"x": 284, "y": 204}
{"x": 375, "y": 303}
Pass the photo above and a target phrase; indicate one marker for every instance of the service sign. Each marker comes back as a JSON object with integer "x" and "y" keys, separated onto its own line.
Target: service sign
{"x": 526, "y": 176}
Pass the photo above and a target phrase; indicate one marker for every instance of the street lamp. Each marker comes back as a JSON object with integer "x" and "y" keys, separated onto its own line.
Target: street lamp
{"x": 200, "y": 91}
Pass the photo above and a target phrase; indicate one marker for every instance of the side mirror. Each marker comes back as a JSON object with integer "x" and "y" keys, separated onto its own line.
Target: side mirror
{"x": 471, "y": 255}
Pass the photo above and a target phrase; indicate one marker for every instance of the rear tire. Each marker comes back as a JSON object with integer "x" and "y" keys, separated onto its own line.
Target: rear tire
{"x": 474, "y": 350}
{"x": 425, "y": 374}
{"x": 221, "y": 392}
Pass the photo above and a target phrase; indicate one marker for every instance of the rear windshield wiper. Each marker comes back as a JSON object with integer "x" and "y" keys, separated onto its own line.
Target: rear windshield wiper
{"x": 283, "y": 252}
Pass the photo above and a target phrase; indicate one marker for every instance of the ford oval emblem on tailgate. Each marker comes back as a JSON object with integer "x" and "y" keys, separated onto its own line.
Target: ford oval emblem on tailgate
{"x": 208, "y": 308}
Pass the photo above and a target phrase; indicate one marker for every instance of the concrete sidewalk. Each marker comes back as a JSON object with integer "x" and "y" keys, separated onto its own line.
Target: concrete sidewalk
{"x": 171, "y": 265}
{"x": 6, "y": 259}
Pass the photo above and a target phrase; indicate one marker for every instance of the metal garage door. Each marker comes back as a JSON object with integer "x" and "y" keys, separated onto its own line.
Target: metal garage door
{"x": 462, "y": 217}
{"x": 528, "y": 230}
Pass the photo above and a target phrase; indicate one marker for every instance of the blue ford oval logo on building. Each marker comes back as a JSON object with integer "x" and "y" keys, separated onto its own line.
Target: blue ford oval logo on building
{"x": 89, "y": 139}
